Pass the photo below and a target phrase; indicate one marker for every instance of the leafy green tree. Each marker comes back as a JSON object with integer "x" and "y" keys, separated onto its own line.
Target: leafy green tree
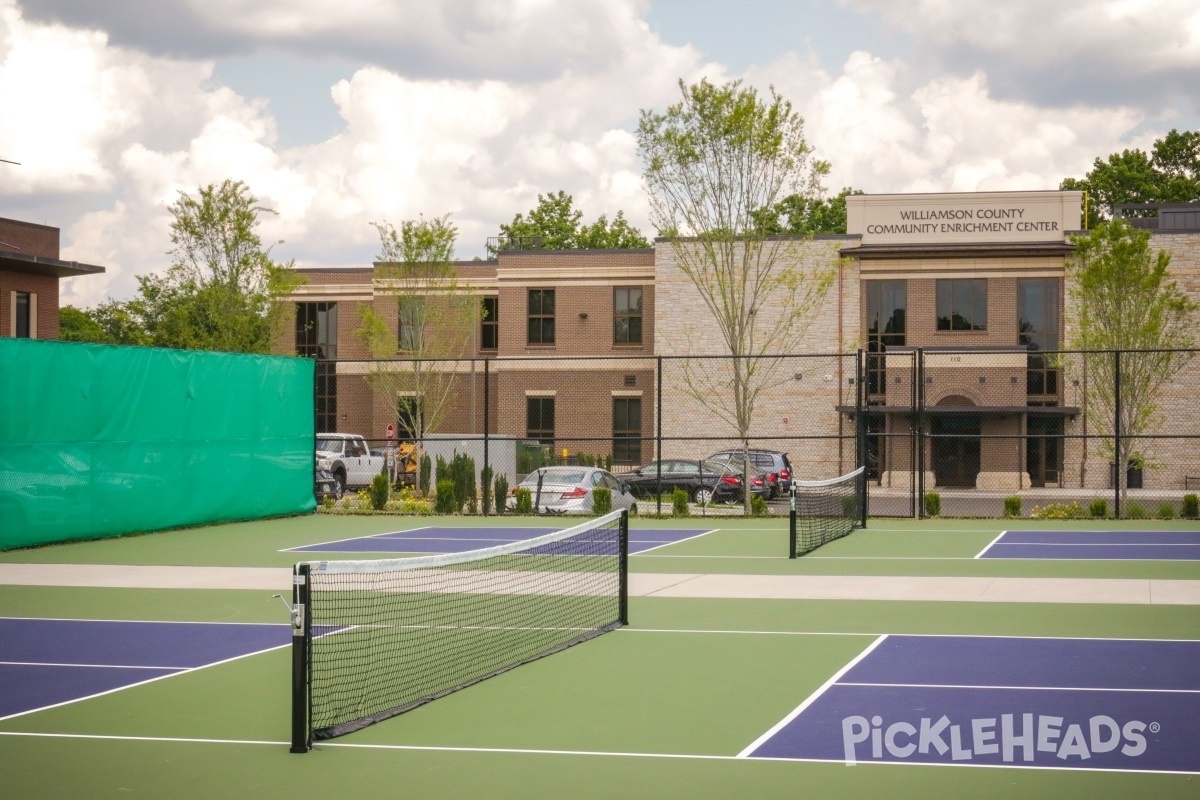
{"x": 797, "y": 215}
{"x": 1170, "y": 173}
{"x": 1126, "y": 301}
{"x": 436, "y": 322}
{"x": 222, "y": 290}
{"x": 75, "y": 325}
{"x": 555, "y": 224}
{"x": 711, "y": 162}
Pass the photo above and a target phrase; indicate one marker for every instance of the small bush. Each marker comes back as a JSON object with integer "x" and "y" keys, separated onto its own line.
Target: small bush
{"x": 423, "y": 474}
{"x": 485, "y": 487}
{"x": 601, "y": 501}
{"x": 1098, "y": 508}
{"x": 1166, "y": 511}
{"x": 501, "y": 493}
{"x": 933, "y": 504}
{"x": 444, "y": 501}
{"x": 679, "y": 503}
{"x": 379, "y": 492}
{"x": 1135, "y": 510}
{"x": 1058, "y": 511}
{"x": 1191, "y": 507}
{"x": 524, "y": 501}
{"x": 758, "y": 506}
{"x": 1012, "y": 506}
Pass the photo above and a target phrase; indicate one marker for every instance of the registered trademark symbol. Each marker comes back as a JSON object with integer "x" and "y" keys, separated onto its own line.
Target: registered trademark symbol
{"x": 1155, "y": 727}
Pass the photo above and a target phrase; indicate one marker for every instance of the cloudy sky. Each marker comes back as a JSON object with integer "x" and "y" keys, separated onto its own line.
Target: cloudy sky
{"x": 341, "y": 113}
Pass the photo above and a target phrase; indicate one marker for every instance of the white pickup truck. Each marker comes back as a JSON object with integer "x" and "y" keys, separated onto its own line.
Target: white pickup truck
{"x": 348, "y": 458}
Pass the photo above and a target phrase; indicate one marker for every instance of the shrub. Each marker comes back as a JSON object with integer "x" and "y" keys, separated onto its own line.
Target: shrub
{"x": 1135, "y": 510}
{"x": 1166, "y": 511}
{"x": 444, "y": 500}
{"x": 524, "y": 501}
{"x": 933, "y": 504}
{"x": 679, "y": 503}
{"x": 501, "y": 493}
{"x": 1058, "y": 511}
{"x": 1191, "y": 507}
{"x": 601, "y": 501}
{"x": 379, "y": 492}
{"x": 758, "y": 506}
{"x": 424, "y": 474}
{"x": 1012, "y": 506}
{"x": 485, "y": 487}
{"x": 1098, "y": 508}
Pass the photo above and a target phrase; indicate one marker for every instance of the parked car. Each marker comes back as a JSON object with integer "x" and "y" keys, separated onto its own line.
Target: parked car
{"x": 774, "y": 463}
{"x": 325, "y": 485}
{"x": 704, "y": 481}
{"x": 569, "y": 490}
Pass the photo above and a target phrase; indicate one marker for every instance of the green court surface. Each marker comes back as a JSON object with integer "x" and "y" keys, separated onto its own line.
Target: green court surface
{"x": 660, "y": 709}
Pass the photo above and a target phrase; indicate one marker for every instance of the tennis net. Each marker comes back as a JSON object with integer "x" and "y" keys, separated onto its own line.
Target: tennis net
{"x": 825, "y": 510}
{"x": 373, "y": 639}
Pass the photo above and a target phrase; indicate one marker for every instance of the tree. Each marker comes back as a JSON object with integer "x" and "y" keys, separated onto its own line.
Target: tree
{"x": 555, "y": 224}
{"x": 1126, "y": 302}
{"x": 798, "y": 215}
{"x": 1169, "y": 174}
{"x": 711, "y": 162}
{"x": 436, "y": 323}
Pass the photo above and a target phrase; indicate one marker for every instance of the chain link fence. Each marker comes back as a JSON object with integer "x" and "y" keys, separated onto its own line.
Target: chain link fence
{"x": 983, "y": 432}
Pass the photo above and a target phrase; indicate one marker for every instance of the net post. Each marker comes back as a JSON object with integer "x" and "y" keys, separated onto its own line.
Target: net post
{"x": 623, "y": 569}
{"x": 792, "y": 523}
{"x": 301, "y": 642}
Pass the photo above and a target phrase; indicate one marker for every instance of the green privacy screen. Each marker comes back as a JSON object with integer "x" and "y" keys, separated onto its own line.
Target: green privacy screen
{"x": 97, "y": 440}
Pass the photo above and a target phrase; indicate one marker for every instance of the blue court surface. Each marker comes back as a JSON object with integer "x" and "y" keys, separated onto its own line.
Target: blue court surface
{"x": 437, "y": 539}
{"x": 1110, "y": 704}
{"x": 49, "y": 662}
{"x": 1096, "y": 545}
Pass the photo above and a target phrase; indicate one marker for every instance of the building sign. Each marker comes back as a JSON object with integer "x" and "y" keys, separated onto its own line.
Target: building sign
{"x": 964, "y": 218}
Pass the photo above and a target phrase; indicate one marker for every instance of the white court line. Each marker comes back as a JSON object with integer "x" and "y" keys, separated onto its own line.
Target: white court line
{"x": 990, "y": 687}
{"x": 748, "y": 749}
{"x": 574, "y": 753}
{"x": 348, "y": 539}
{"x": 989, "y": 544}
{"x": 89, "y": 666}
{"x": 665, "y": 544}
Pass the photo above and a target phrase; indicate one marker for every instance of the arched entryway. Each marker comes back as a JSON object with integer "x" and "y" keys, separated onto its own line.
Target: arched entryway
{"x": 954, "y": 448}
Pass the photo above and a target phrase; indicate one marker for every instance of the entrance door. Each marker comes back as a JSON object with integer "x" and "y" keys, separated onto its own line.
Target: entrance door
{"x": 1043, "y": 450}
{"x": 955, "y": 450}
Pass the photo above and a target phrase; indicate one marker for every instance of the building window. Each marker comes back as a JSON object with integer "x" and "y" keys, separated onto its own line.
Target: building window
{"x": 539, "y": 419}
{"x": 962, "y": 304}
{"x": 316, "y": 337}
{"x": 316, "y": 330}
{"x": 22, "y": 313}
{"x": 1037, "y": 321}
{"x": 887, "y": 305}
{"x": 408, "y": 415}
{"x": 627, "y": 315}
{"x": 411, "y": 316}
{"x": 541, "y": 316}
{"x": 627, "y": 430}
{"x": 489, "y": 326}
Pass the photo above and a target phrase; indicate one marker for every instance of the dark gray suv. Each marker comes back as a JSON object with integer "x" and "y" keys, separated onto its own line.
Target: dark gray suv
{"x": 773, "y": 462}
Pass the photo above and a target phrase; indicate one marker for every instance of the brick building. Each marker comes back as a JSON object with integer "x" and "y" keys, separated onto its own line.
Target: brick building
{"x": 30, "y": 271}
{"x": 957, "y": 302}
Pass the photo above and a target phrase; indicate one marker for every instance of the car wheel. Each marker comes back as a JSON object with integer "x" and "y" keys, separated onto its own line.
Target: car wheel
{"x": 703, "y": 495}
{"x": 633, "y": 510}
{"x": 339, "y": 485}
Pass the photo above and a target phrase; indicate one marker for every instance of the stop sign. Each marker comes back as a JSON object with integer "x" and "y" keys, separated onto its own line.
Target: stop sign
{"x": 391, "y": 432}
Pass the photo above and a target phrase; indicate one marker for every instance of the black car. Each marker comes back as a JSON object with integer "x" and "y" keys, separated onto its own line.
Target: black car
{"x": 772, "y": 462}
{"x": 704, "y": 481}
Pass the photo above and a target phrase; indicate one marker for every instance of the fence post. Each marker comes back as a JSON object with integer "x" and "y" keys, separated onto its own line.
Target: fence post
{"x": 658, "y": 405}
{"x": 1118, "y": 469}
{"x": 918, "y": 400}
{"x": 486, "y": 431}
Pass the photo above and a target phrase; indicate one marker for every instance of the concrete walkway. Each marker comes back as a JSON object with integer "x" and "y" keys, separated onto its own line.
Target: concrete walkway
{"x": 792, "y": 587}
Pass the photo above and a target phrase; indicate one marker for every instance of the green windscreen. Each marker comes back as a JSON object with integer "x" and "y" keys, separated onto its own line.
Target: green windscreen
{"x": 98, "y": 440}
